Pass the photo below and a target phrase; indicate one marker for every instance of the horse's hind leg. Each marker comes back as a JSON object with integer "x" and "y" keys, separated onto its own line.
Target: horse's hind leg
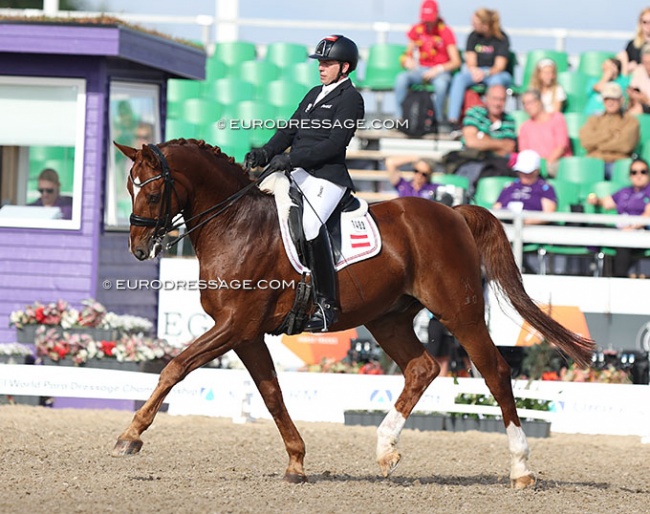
{"x": 258, "y": 361}
{"x": 476, "y": 340}
{"x": 395, "y": 334}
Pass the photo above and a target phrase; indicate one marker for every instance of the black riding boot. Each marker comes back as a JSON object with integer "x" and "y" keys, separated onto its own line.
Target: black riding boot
{"x": 323, "y": 276}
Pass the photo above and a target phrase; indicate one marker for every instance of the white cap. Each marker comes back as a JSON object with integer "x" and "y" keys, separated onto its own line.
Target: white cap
{"x": 527, "y": 161}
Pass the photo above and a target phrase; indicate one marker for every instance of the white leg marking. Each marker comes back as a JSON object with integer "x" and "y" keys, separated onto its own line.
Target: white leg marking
{"x": 388, "y": 432}
{"x": 519, "y": 451}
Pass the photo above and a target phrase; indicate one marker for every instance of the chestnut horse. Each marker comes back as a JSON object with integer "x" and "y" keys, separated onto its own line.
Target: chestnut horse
{"x": 431, "y": 257}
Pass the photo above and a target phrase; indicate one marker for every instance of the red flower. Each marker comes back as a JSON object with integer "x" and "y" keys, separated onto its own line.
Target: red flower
{"x": 107, "y": 347}
{"x": 550, "y": 375}
{"x": 39, "y": 314}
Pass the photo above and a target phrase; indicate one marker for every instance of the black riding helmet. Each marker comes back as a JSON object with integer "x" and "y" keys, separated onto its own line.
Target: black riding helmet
{"x": 337, "y": 48}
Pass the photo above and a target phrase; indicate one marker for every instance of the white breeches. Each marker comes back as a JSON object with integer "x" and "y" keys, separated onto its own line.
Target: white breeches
{"x": 321, "y": 198}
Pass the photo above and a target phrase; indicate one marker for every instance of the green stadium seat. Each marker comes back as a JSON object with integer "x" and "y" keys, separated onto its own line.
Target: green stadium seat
{"x": 581, "y": 170}
{"x": 285, "y": 95}
{"x": 235, "y": 143}
{"x": 251, "y": 111}
{"x": 230, "y": 91}
{"x": 621, "y": 172}
{"x": 382, "y": 67}
{"x": 591, "y": 62}
{"x": 488, "y": 190}
{"x": 231, "y": 53}
{"x": 305, "y": 73}
{"x": 519, "y": 117}
{"x": 285, "y": 55}
{"x": 574, "y": 122}
{"x": 179, "y": 90}
{"x": 216, "y": 69}
{"x": 644, "y": 126}
{"x": 601, "y": 190}
{"x": 575, "y": 85}
{"x": 446, "y": 179}
{"x": 177, "y": 128}
{"x": 201, "y": 111}
{"x": 258, "y": 73}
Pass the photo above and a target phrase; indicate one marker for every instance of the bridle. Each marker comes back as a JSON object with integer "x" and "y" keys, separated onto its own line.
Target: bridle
{"x": 165, "y": 223}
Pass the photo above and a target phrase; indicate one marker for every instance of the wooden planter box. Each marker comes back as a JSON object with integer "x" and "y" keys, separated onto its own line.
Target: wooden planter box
{"x": 417, "y": 421}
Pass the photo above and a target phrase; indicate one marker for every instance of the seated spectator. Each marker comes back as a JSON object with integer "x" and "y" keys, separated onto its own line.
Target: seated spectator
{"x": 545, "y": 132}
{"x": 49, "y": 187}
{"x": 420, "y": 185}
{"x": 489, "y": 138}
{"x": 490, "y": 128}
{"x": 631, "y": 56}
{"x": 612, "y": 135}
{"x": 486, "y": 61}
{"x": 639, "y": 90}
{"x": 437, "y": 58}
{"x": 611, "y": 73}
{"x": 633, "y": 200}
{"x": 529, "y": 192}
{"x": 544, "y": 80}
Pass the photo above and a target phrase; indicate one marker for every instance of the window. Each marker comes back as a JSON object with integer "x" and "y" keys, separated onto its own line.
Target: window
{"x": 134, "y": 121}
{"x": 41, "y": 152}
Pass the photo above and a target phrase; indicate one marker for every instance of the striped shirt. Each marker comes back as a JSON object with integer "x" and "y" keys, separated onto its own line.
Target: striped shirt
{"x": 478, "y": 117}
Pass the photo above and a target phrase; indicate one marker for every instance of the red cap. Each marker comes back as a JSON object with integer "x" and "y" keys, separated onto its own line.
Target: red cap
{"x": 429, "y": 11}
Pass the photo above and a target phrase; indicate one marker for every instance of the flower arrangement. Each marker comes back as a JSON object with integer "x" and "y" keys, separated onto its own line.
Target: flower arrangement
{"x": 92, "y": 315}
{"x": 81, "y": 348}
{"x": 330, "y": 365}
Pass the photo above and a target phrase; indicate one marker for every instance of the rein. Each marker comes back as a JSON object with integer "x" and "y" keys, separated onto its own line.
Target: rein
{"x": 168, "y": 224}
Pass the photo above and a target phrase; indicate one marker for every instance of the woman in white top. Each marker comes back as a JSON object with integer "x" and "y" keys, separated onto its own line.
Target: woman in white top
{"x": 544, "y": 80}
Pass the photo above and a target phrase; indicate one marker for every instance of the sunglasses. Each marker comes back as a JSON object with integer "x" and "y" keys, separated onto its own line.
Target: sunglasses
{"x": 47, "y": 190}
{"x": 425, "y": 174}
{"x": 637, "y": 172}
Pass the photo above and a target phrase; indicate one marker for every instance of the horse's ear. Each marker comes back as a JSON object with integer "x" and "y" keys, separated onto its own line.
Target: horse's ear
{"x": 126, "y": 150}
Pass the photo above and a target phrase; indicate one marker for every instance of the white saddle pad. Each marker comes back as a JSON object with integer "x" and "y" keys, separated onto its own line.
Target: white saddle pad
{"x": 360, "y": 237}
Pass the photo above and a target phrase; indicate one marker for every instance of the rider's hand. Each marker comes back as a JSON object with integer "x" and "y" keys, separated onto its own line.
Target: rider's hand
{"x": 256, "y": 157}
{"x": 280, "y": 162}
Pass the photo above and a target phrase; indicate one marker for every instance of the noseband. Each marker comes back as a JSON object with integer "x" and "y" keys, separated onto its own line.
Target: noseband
{"x": 163, "y": 223}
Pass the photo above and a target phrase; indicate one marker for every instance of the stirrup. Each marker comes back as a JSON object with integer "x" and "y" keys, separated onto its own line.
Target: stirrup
{"x": 323, "y": 318}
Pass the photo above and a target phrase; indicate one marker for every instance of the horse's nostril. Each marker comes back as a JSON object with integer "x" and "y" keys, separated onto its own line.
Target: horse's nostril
{"x": 140, "y": 254}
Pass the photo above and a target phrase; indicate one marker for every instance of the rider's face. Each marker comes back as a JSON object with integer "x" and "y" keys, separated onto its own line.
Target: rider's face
{"x": 329, "y": 70}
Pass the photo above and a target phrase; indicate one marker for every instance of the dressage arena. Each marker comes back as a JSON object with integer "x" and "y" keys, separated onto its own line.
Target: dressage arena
{"x": 58, "y": 461}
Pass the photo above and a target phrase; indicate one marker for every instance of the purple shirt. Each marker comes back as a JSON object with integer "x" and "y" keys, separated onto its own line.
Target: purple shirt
{"x": 62, "y": 202}
{"x": 405, "y": 188}
{"x": 529, "y": 196}
{"x": 630, "y": 202}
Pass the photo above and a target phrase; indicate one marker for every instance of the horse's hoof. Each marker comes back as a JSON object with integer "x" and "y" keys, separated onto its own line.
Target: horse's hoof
{"x": 295, "y": 478}
{"x": 125, "y": 447}
{"x": 523, "y": 482}
{"x": 389, "y": 462}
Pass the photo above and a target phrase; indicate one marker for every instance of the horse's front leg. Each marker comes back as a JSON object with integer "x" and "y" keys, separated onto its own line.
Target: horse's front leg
{"x": 258, "y": 361}
{"x": 214, "y": 343}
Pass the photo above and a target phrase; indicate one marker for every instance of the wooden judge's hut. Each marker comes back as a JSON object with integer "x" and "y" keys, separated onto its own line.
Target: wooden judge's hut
{"x": 67, "y": 90}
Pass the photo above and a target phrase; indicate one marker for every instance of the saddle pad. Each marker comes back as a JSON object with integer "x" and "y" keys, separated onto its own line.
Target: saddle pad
{"x": 360, "y": 237}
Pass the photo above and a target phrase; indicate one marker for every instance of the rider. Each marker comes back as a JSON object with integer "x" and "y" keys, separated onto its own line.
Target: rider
{"x": 318, "y": 134}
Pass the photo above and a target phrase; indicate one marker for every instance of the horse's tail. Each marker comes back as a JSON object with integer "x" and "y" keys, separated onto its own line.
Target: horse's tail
{"x": 500, "y": 266}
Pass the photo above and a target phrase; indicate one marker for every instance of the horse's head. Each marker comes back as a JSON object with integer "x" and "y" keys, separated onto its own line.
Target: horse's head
{"x": 155, "y": 200}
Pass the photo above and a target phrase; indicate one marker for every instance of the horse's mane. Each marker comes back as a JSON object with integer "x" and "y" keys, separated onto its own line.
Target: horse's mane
{"x": 255, "y": 204}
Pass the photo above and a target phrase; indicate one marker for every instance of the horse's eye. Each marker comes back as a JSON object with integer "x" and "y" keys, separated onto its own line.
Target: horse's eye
{"x": 153, "y": 198}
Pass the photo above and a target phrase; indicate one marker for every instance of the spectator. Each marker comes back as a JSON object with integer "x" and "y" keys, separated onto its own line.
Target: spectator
{"x": 545, "y": 132}
{"x": 529, "y": 192}
{"x": 50, "y": 188}
{"x": 486, "y": 60}
{"x": 446, "y": 350}
{"x": 639, "y": 90}
{"x": 544, "y": 80}
{"x": 611, "y": 73}
{"x": 490, "y": 128}
{"x": 438, "y": 57}
{"x": 633, "y": 200}
{"x": 612, "y": 135}
{"x": 420, "y": 185}
{"x": 631, "y": 56}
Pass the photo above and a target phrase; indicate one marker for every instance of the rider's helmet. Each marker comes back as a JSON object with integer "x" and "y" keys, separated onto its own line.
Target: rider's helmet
{"x": 337, "y": 48}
